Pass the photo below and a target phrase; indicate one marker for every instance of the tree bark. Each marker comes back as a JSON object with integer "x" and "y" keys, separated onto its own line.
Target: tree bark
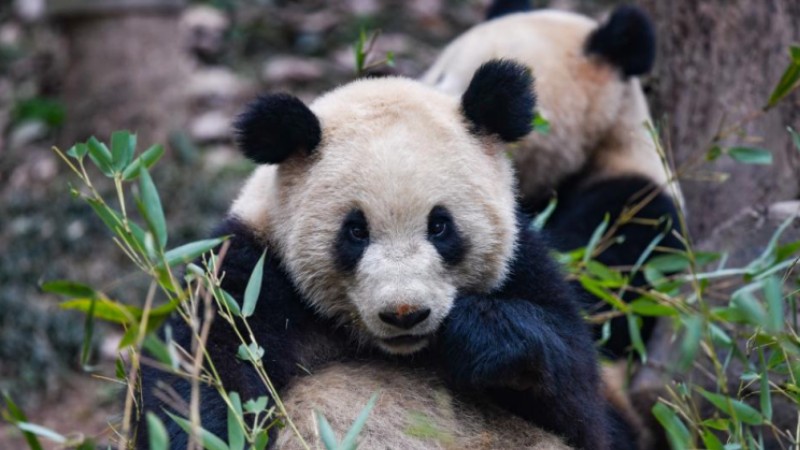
{"x": 718, "y": 61}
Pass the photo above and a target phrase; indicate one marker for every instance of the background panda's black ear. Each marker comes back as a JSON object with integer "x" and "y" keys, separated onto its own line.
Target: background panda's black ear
{"x": 627, "y": 40}
{"x": 500, "y": 8}
{"x": 275, "y": 126}
{"x": 500, "y": 100}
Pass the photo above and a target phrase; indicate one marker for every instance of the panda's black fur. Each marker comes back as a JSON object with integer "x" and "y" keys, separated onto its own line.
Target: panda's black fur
{"x": 523, "y": 345}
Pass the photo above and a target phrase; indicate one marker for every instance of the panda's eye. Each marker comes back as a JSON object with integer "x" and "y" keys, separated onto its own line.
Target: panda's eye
{"x": 437, "y": 228}
{"x": 358, "y": 232}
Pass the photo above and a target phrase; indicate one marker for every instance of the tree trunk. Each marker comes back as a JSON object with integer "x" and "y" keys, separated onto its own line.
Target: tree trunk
{"x": 128, "y": 69}
{"x": 718, "y": 61}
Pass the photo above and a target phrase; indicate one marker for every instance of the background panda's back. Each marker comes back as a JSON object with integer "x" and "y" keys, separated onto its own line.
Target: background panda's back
{"x": 414, "y": 411}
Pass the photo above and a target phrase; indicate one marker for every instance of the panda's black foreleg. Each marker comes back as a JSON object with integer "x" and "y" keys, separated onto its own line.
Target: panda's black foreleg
{"x": 535, "y": 360}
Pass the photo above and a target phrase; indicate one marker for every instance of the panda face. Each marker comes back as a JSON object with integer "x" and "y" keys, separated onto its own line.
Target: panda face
{"x": 399, "y": 207}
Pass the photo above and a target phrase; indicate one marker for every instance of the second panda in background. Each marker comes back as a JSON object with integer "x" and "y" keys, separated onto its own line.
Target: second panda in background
{"x": 598, "y": 156}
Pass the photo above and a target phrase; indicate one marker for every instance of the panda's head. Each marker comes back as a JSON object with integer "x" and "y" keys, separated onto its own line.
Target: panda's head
{"x": 385, "y": 197}
{"x": 586, "y": 77}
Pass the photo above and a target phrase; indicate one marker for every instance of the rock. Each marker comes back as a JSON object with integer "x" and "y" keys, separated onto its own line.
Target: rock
{"x": 29, "y": 10}
{"x": 285, "y": 69}
{"x": 215, "y": 85}
{"x": 213, "y": 126}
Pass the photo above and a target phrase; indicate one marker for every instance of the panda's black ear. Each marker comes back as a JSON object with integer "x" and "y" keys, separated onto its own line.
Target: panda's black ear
{"x": 500, "y": 100}
{"x": 276, "y": 126}
{"x": 627, "y": 40}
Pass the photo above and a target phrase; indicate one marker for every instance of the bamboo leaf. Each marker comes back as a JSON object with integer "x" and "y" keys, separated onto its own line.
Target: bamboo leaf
{"x": 68, "y": 289}
{"x": 146, "y": 159}
{"x": 750, "y": 155}
{"x": 100, "y": 155}
{"x": 677, "y": 433}
{"x": 42, "y": 432}
{"x": 15, "y": 415}
{"x": 235, "y": 430}
{"x": 636, "y": 337}
{"x": 156, "y": 433}
{"x": 775, "y": 309}
{"x": 123, "y": 146}
{"x": 253, "y": 289}
{"x": 541, "y": 219}
{"x": 595, "y": 239}
{"x": 151, "y": 207}
{"x": 350, "y": 439}
{"x": 691, "y": 341}
{"x": 734, "y": 408}
{"x": 326, "y": 433}
{"x": 209, "y": 440}
{"x": 189, "y": 252}
{"x": 789, "y": 80}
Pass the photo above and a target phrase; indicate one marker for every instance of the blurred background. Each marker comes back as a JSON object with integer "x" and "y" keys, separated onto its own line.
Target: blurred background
{"x": 177, "y": 71}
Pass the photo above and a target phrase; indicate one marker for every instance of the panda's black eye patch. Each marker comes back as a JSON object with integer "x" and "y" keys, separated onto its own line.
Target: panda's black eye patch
{"x": 445, "y": 236}
{"x": 351, "y": 241}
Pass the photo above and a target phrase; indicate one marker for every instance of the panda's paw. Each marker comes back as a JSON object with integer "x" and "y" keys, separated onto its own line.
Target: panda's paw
{"x": 486, "y": 343}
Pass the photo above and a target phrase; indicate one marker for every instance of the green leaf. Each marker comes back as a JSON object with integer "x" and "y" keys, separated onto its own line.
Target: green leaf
{"x": 41, "y": 431}
{"x": 146, "y": 159}
{"x": 775, "y": 310}
{"x": 261, "y": 441}
{"x": 711, "y": 441}
{"x": 595, "y": 239}
{"x": 209, "y": 440}
{"x": 88, "y": 333}
{"x": 78, "y": 151}
{"x": 752, "y": 310}
{"x": 156, "y": 433}
{"x": 691, "y": 341}
{"x": 326, "y": 433}
{"x": 540, "y": 124}
{"x": 649, "y": 307}
{"x": 252, "y": 352}
{"x": 350, "y": 439}
{"x": 100, "y": 155}
{"x": 714, "y": 153}
{"x": 68, "y": 289}
{"x": 750, "y": 155}
{"x": 358, "y": 49}
{"x": 123, "y": 146}
{"x": 390, "y": 59}
{"x": 677, "y": 433}
{"x": 795, "y": 137}
{"x": 104, "y": 309}
{"x": 15, "y": 415}
{"x": 789, "y": 80}
{"x": 541, "y": 219}
{"x": 151, "y": 207}
{"x": 158, "y": 349}
{"x": 636, "y": 337}
{"x": 765, "y": 399}
{"x": 235, "y": 430}
{"x": 669, "y": 263}
{"x": 733, "y": 407}
{"x": 256, "y": 406}
{"x": 602, "y": 293}
{"x": 253, "y": 289}
{"x": 189, "y": 252}
{"x": 229, "y": 301}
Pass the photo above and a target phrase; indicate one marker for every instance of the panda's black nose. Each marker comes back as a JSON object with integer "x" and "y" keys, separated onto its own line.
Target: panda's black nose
{"x": 403, "y": 319}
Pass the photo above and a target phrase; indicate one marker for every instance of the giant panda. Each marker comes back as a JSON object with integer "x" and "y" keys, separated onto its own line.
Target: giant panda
{"x": 598, "y": 156}
{"x": 397, "y": 259}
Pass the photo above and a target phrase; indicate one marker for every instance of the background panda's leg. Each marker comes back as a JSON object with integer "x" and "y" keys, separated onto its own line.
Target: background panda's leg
{"x": 581, "y": 209}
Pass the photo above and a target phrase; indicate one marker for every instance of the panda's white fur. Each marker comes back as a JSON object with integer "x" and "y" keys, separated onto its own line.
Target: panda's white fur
{"x": 366, "y": 160}
{"x": 414, "y": 411}
{"x": 597, "y": 116}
